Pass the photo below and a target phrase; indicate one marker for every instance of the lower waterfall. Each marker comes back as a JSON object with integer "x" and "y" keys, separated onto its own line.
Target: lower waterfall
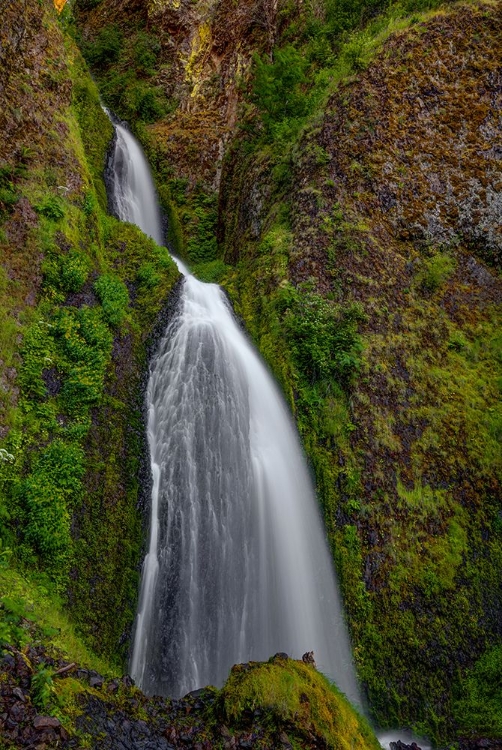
{"x": 237, "y": 567}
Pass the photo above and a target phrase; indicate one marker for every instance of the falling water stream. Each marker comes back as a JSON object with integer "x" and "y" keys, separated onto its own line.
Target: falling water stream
{"x": 237, "y": 566}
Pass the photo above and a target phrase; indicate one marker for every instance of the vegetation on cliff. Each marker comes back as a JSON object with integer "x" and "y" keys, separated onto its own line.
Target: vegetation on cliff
{"x": 80, "y": 293}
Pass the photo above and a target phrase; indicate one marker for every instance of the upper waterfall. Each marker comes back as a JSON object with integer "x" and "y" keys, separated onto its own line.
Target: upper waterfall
{"x": 238, "y": 566}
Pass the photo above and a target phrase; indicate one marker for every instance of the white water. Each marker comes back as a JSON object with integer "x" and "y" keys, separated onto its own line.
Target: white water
{"x": 237, "y": 567}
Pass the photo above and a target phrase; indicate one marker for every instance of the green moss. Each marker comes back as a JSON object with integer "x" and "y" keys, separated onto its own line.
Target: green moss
{"x": 33, "y": 598}
{"x": 95, "y": 128}
{"x": 293, "y": 692}
{"x": 478, "y": 708}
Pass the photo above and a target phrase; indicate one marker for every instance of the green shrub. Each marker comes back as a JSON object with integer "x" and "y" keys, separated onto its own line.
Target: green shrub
{"x": 324, "y": 338}
{"x": 146, "y": 51}
{"x": 478, "y": 710}
{"x": 344, "y": 15}
{"x": 114, "y": 298}
{"x": 52, "y": 207}
{"x": 435, "y": 271}
{"x": 67, "y": 273}
{"x": 277, "y": 85}
{"x": 212, "y": 272}
{"x": 201, "y": 245}
{"x": 106, "y": 47}
{"x": 178, "y": 187}
{"x": 12, "y": 612}
{"x": 8, "y": 198}
{"x": 42, "y": 688}
{"x": 89, "y": 204}
{"x": 50, "y": 492}
{"x": 150, "y": 103}
{"x": 148, "y": 275}
{"x": 84, "y": 342}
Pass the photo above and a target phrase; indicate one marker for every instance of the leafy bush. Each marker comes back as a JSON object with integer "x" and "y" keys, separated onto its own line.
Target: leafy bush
{"x": 105, "y": 49}
{"x": 150, "y": 102}
{"x": 345, "y": 15}
{"x": 42, "y": 688}
{"x": 85, "y": 343}
{"x": 52, "y": 207}
{"x": 146, "y": 51}
{"x": 212, "y": 272}
{"x": 202, "y": 246}
{"x": 114, "y": 297}
{"x": 50, "y": 492}
{"x": 323, "y": 336}
{"x": 479, "y": 708}
{"x": 148, "y": 275}
{"x": 435, "y": 271}
{"x": 8, "y": 195}
{"x": 277, "y": 86}
{"x": 89, "y": 205}
{"x": 11, "y": 631}
{"x": 67, "y": 273}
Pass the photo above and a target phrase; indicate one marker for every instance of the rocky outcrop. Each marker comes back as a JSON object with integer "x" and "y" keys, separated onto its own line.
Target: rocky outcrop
{"x": 112, "y": 714}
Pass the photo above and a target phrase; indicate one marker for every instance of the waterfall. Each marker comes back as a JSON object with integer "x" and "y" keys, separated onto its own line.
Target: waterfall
{"x": 238, "y": 567}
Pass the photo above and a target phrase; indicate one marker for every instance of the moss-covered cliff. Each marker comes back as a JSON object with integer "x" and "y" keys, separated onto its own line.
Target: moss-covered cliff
{"x": 77, "y": 312}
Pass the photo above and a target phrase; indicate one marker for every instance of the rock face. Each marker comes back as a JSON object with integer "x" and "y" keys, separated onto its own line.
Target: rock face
{"x": 205, "y": 55}
{"x": 419, "y": 144}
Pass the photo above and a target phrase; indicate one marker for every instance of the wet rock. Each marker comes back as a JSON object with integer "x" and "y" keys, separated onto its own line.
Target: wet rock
{"x": 96, "y": 681}
{"x": 246, "y": 743}
{"x": 196, "y": 693}
{"x": 280, "y": 656}
{"x": 398, "y": 745}
{"x": 18, "y": 693}
{"x": 52, "y": 380}
{"x": 7, "y": 663}
{"x": 284, "y": 740}
{"x": 112, "y": 686}
{"x": 308, "y": 658}
{"x": 45, "y": 722}
{"x": 16, "y": 713}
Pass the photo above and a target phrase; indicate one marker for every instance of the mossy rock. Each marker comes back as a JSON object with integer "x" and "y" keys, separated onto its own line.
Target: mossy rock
{"x": 292, "y": 695}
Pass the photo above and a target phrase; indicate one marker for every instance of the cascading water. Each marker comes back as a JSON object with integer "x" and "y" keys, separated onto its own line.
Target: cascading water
{"x": 238, "y": 566}
{"x": 133, "y": 194}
